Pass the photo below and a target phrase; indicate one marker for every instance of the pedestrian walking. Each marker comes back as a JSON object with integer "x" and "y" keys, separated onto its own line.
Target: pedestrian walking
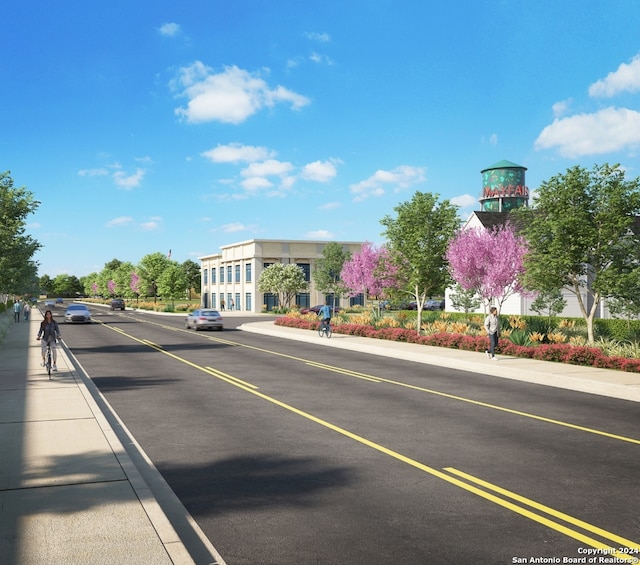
{"x": 16, "y": 311}
{"x": 492, "y": 325}
{"x": 26, "y": 311}
{"x": 231, "y": 304}
{"x": 222, "y": 305}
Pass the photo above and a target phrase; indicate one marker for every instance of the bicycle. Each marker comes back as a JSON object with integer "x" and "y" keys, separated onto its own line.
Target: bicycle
{"x": 325, "y": 329}
{"x": 47, "y": 357}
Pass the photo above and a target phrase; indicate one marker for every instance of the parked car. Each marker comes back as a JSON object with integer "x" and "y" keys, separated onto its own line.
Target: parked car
{"x": 316, "y": 309}
{"x": 117, "y": 304}
{"x": 434, "y": 305}
{"x": 204, "y": 319}
{"x": 59, "y": 301}
{"x": 77, "y": 314}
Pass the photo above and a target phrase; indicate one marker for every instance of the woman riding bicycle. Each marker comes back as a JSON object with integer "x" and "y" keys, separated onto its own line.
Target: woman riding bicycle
{"x": 49, "y": 332}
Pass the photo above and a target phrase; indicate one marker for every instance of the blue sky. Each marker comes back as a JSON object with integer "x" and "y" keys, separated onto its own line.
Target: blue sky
{"x": 154, "y": 125}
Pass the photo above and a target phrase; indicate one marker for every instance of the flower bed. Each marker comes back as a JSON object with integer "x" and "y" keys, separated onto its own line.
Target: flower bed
{"x": 560, "y": 352}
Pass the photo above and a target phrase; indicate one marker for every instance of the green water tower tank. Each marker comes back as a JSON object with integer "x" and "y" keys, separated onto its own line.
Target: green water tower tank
{"x": 503, "y": 187}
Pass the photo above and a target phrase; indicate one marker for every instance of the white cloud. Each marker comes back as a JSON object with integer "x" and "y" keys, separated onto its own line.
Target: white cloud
{"x": 270, "y": 167}
{"x": 493, "y": 139}
{"x": 233, "y": 227}
{"x": 399, "y": 178}
{"x": 256, "y": 183}
{"x": 319, "y": 58}
{"x": 464, "y": 201}
{"x": 120, "y": 221}
{"x": 169, "y": 29}
{"x": 625, "y": 79}
{"x": 319, "y": 234}
{"x": 320, "y": 171}
{"x": 93, "y": 172}
{"x": 236, "y": 152}
{"x": 608, "y": 130}
{"x": 230, "y": 96}
{"x": 321, "y": 37}
{"x": 129, "y": 181}
{"x": 561, "y": 108}
{"x": 152, "y": 225}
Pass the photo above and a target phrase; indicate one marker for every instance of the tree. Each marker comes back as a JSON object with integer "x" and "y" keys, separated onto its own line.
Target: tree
{"x": 326, "y": 274}
{"x": 192, "y": 272}
{"x": 583, "y": 235}
{"x": 488, "y": 262}
{"x": 369, "y": 271}
{"x": 172, "y": 282}
{"x": 18, "y": 249}
{"x": 418, "y": 237}
{"x": 550, "y": 301}
{"x": 465, "y": 300}
{"x": 67, "y": 285}
{"x": 283, "y": 280}
{"x": 149, "y": 269}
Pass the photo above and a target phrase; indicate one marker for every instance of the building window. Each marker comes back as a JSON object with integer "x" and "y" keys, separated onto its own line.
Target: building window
{"x": 306, "y": 267}
{"x": 221, "y": 275}
{"x": 213, "y": 300}
{"x": 247, "y": 272}
{"x": 237, "y": 269}
{"x": 213, "y": 275}
{"x": 205, "y": 276}
{"x": 238, "y": 304}
{"x": 247, "y": 302}
{"x": 229, "y": 273}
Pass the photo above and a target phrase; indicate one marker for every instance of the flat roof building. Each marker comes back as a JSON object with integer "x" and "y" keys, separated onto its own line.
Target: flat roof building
{"x": 230, "y": 278}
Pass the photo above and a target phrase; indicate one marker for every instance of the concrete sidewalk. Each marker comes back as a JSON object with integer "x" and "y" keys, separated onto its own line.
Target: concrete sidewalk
{"x": 69, "y": 490}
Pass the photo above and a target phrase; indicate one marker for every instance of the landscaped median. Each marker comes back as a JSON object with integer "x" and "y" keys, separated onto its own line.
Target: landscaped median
{"x": 558, "y": 352}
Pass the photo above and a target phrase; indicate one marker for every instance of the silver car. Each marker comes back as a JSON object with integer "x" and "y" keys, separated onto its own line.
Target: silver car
{"x": 204, "y": 319}
{"x": 77, "y": 314}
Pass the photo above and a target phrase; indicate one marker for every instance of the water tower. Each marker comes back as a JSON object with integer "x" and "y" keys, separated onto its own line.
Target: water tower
{"x": 503, "y": 187}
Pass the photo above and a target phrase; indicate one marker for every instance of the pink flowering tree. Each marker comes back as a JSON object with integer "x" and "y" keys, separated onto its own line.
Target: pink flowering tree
{"x": 134, "y": 284}
{"x": 111, "y": 286}
{"x": 95, "y": 288}
{"x": 489, "y": 262}
{"x": 369, "y": 271}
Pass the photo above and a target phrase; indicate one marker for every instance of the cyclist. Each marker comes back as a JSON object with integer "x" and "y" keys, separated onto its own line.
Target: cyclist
{"x": 325, "y": 314}
{"x": 49, "y": 332}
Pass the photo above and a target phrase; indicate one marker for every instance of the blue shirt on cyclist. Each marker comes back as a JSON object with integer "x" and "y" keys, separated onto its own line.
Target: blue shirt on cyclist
{"x": 325, "y": 313}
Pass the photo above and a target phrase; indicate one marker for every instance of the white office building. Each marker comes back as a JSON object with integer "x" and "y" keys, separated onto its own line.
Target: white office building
{"x": 231, "y": 276}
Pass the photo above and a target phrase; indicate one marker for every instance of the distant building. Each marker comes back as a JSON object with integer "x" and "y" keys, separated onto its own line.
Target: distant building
{"x": 232, "y": 275}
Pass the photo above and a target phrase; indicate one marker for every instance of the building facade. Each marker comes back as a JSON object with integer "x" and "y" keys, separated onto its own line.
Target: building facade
{"x": 230, "y": 278}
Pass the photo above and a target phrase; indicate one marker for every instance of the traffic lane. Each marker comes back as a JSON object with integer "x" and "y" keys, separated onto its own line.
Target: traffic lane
{"x": 246, "y": 441}
{"x": 506, "y": 437}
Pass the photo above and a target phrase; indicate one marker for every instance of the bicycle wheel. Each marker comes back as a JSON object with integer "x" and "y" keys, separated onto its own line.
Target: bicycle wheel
{"x": 49, "y": 363}
{"x": 321, "y": 330}
{"x": 328, "y": 331}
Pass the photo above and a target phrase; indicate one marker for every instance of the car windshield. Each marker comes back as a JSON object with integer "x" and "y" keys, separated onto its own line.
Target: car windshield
{"x": 77, "y": 307}
{"x": 209, "y": 313}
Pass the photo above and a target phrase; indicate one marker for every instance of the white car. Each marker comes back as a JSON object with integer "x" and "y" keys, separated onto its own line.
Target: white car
{"x": 205, "y": 319}
{"x": 77, "y": 314}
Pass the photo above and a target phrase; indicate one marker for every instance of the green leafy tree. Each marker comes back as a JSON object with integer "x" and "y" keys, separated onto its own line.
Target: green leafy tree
{"x": 67, "y": 285}
{"x": 550, "y": 302}
{"x": 16, "y": 248}
{"x": 580, "y": 235}
{"x": 326, "y": 274}
{"x": 149, "y": 269}
{"x": 465, "y": 300}
{"x": 283, "y": 280}
{"x": 418, "y": 237}
{"x": 192, "y": 272}
{"x": 172, "y": 282}
{"x": 46, "y": 285}
{"x": 121, "y": 276}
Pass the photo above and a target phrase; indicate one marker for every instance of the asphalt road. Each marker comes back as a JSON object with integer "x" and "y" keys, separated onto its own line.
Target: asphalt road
{"x": 291, "y": 453}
